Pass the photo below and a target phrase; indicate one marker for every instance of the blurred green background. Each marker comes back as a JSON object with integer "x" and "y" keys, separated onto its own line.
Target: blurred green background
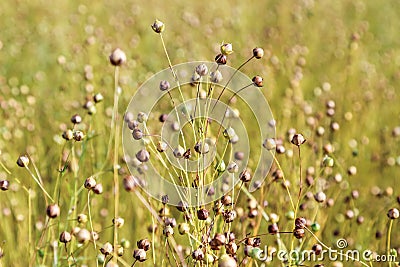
{"x": 53, "y": 54}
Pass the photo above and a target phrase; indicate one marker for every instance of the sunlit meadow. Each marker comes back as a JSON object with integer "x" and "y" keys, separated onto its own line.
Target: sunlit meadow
{"x": 330, "y": 71}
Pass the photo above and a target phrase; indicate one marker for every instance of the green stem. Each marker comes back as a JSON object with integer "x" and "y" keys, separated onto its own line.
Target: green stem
{"x": 388, "y": 242}
{"x": 115, "y": 125}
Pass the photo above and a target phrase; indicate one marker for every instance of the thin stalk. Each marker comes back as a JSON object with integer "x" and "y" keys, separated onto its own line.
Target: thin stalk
{"x": 388, "y": 241}
{"x": 244, "y": 63}
{"x": 115, "y": 161}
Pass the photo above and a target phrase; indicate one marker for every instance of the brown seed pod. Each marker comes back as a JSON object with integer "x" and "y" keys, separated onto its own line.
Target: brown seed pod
{"x": 298, "y": 139}
{"x": 23, "y": 161}
{"x": 130, "y": 183}
{"x": 273, "y": 229}
{"x": 393, "y": 214}
{"x": 144, "y": 244}
{"x": 97, "y": 98}
{"x": 76, "y": 119}
{"x": 198, "y": 254}
{"x": 137, "y": 134}
{"x": 230, "y": 215}
{"x": 117, "y": 57}
{"x": 182, "y": 206}
{"x": 317, "y": 248}
{"x": 65, "y": 237}
{"x": 202, "y": 214}
{"x": 245, "y": 176}
{"x": 90, "y": 182}
{"x": 258, "y": 52}
{"x": 4, "y": 184}
{"x": 83, "y": 236}
{"x": 158, "y": 26}
{"x": 226, "y": 200}
{"x": 300, "y": 222}
{"x": 98, "y": 189}
{"x": 231, "y": 248}
{"x": 143, "y": 155}
{"x": 258, "y": 81}
{"x": 220, "y": 59}
{"x": 299, "y": 233}
{"x": 106, "y": 249}
{"x": 68, "y": 135}
{"x": 139, "y": 255}
{"x": 53, "y": 211}
{"x": 219, "y": 239}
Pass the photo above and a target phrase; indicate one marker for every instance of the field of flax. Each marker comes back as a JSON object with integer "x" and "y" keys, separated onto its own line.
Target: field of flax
{"x": 316, "y": 185}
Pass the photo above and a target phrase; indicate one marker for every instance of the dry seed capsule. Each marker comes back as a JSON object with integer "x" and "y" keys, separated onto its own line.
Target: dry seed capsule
{"x": 216, "y": 76}
{"x": 137, "y": 134}
{"x": 258, "y": 52}
{"x": 90, "y": 182}
{"x": 245, "y": 176}
{"x": 202, "y": 214}
{"x": 79, "y": 136}
{"x": 178, "y": 152}
{"x": 220, "y": 59}
{"x": 82, "y": 218}
{"x": 97, "y": 98}
{"x": 168, "y": 230}
{"x": 139, "y": 255}
{"x": 23, "y": 161}
{"x": 106, "y": 249}
{"x": 162, "y": 146}
{"x": 320, "y": 197}
{"x": 393, "y": 214}
{"x": 226, "y": 49}
{"x": 298, "y": 139}
{"x": 76, "y": 119}
{"x": 98, "y": 189}
{"x": 65, "y": 237}
{"x": 163, "y": 117}
{"x": 300, "y": 222}
{"x": 273, "y": 229}
{"x": 144, "y": 244}
{"x": 117, "y": 57}
{"x": 269, "y": 144}
{"x": 183, "y": 228}
{"x": 182, "y": 206}
{"x": 317, "y": 248}
{"x": 142, "y": 117}
{"x": 201, "y": 70}
{"x": 230, "y": 216}
{"x": 219, "y": 239}
{"x": 53, "y": 211}
{"x": 83, "y": 236}
{"x": 198, "y": 254}
{"x": 4, "y": 184}
{"x": 68, "y": 135}
{"x": 164, "y": 85}
{"x": 143, "y": 155}
{"x": 258, "y": 81}
{"x": 130, "y": 182}
{"x": 158, "y": 26}
{"x": 352, "y": 170}
{"x": 119, "y": 222}
{"x": 231, "y": 248}
{"x": 227, "y": 261}
{"x": 226, "y": 200}
{"x": 299, "y": 233}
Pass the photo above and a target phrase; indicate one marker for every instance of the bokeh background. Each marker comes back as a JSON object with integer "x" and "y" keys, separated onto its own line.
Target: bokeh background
{"x": 54, "y": 54}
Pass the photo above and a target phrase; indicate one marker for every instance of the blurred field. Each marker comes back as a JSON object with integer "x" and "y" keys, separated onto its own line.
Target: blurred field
{"x": 55, "y": 54}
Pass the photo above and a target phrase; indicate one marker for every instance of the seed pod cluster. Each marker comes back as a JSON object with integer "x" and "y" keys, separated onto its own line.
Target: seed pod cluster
{"x": 300, "y": 224}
